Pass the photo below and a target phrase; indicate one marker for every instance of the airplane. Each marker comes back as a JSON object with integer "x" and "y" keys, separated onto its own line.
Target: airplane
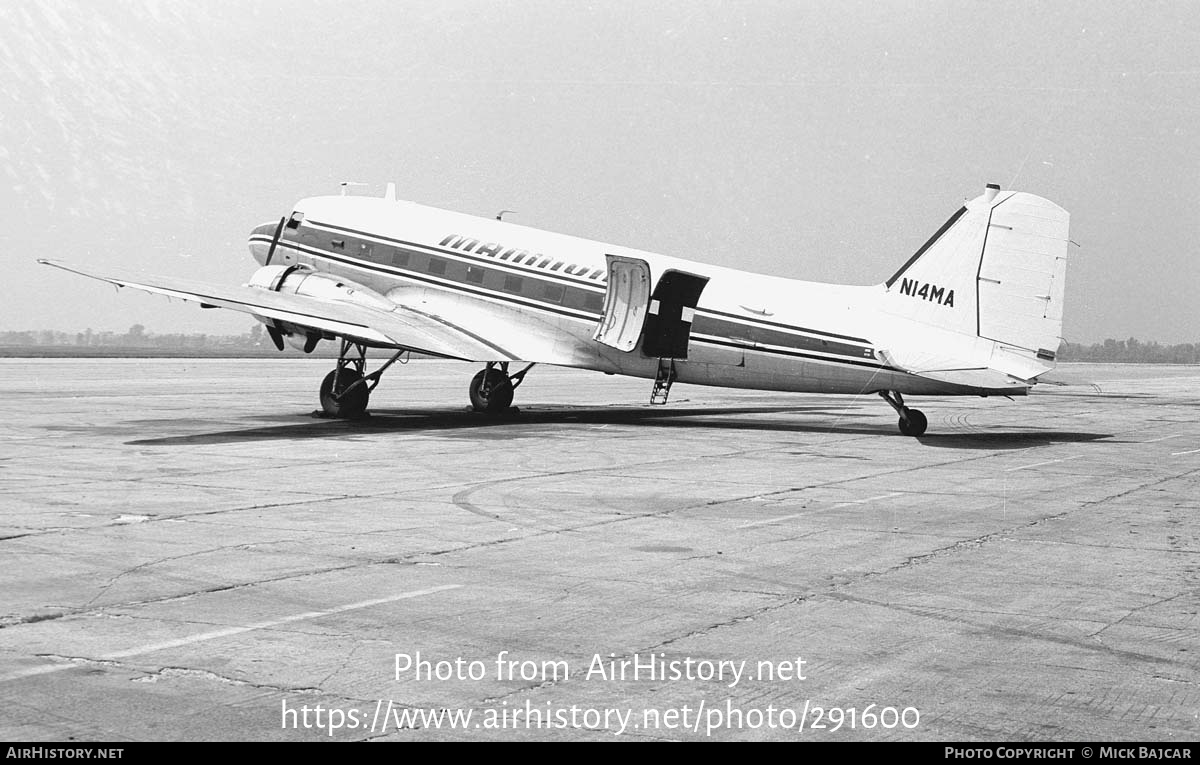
{"x": 975, "y": 311}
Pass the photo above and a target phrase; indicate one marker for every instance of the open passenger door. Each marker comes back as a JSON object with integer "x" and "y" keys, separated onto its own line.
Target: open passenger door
{"x": 625, "y": 303}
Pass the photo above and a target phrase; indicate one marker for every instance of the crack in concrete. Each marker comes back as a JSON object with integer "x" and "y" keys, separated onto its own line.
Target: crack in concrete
{"x": 173, "y": 671}
{"x": 113, "y": 580}
{"x": 1086, "y": 644}
{"x": 1142, "y": 607}
{"x": 345, "y": 663}
{"x": 19, "y": 536}
{"x": 1009, "y": 531}
{"x": 1140, "y": 487}
{"x": 12, "y": 621}
{"x": 740, "y": 619}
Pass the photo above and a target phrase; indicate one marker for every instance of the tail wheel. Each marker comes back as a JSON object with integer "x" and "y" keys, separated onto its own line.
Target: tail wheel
{"x": 340, "y": 403}
{"x": 913, "y": 423}
{"x": 491, "y": 391}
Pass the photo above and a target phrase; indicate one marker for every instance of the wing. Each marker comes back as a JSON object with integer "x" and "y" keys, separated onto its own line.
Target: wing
{"x": 401, "y": 327}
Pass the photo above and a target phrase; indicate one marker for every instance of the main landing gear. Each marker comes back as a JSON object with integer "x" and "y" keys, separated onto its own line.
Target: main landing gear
{"x": 346, "y": 390}
{"x": 912, "y": 421}
{"x": 492, "y": 389}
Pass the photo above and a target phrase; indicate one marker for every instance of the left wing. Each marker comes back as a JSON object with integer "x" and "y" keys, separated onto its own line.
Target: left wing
{"x": 381, "y": 323}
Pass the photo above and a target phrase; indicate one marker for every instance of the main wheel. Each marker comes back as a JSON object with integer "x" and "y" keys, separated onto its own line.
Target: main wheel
{"x": 491, "y": 391}
{"x": 914, "y": 424}
{"x": 348, "y": 405}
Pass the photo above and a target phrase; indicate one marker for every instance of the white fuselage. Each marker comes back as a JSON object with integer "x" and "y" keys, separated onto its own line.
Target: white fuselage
{"x": 546, "y": 292}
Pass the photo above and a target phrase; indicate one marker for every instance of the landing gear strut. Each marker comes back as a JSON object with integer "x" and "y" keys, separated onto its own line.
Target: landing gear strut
{"x": 912, "y": 421}
{"x": 346, "y": 390}
{"x": 492, "y": 388}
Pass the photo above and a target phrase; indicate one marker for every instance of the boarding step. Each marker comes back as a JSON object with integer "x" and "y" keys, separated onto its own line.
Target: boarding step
{"x": 662, "y": 382}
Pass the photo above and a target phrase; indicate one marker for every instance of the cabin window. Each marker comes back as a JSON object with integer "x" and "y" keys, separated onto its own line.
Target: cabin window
{"x": 593, "y": 301}
{"x": 364, "y": 251}
{"x": 294, "y": 221}
{"x": 437, "y": 266}
{"x": 553, "y": 293}
{"x": 475, "y": 274}
{"x": 400, "y": 258}
{"x": 512, "y": 283}
{"x": 338, "y": 244}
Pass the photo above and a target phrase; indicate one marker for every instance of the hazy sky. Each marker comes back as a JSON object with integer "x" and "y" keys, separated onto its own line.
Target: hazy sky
{"x": 819, "y": 140}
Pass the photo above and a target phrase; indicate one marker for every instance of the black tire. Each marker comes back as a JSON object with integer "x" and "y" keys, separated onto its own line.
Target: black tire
{"x": 491, "y": 391}
{"x": 914, "y": 424}
{"x": 350, "y": 405}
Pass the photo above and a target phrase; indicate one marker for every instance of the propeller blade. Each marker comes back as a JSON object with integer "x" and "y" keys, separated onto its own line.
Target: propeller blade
{"x": 274, "y": 242}
{"x": 276, "y": 335}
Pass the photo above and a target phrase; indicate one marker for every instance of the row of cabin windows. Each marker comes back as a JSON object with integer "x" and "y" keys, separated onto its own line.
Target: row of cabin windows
{"x": 554, "y": 293}
{"x": 523, "y": 256}
{"x": 518, "y": 256}
{"x": 438, "y": 266}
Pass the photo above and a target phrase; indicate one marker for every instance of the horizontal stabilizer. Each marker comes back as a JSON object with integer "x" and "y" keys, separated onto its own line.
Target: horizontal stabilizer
{"x": 1005, "y": 370}
{"x": 977, "y": 378}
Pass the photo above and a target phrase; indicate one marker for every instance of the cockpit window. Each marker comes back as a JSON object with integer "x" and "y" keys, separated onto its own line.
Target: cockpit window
{"x": 294, "y": 221}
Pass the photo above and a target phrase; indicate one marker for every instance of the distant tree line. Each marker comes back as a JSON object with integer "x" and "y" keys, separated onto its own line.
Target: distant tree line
{"x": 137, "y": 342}
{"x": 136, "y": 337}
{"x": 1131, "y": 351}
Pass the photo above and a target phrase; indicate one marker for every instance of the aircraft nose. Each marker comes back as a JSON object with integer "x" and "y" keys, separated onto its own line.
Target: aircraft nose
{"x": 260, "y": 241}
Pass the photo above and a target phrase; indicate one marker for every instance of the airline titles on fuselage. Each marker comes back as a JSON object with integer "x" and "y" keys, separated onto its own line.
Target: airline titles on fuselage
{"x": 514, "y": 255}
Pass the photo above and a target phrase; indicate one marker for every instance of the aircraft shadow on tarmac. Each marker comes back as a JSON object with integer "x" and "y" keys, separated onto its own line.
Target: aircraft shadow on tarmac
{"x": 547, "y": 423}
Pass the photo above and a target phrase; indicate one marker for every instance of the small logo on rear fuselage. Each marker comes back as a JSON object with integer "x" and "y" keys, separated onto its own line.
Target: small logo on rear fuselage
{"x": 928, "y": 291}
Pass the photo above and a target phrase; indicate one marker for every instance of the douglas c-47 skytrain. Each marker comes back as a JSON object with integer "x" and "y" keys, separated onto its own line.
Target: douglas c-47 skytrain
{"x": 976, "y": 311}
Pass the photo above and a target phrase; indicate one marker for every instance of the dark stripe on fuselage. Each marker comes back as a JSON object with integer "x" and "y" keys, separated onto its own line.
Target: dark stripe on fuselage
{"x": 794, "y": 354}
{"x": 713, "y": 326}
{"x": 708, "y": 321}
{"x": 465, "y": 255}
{"x": 444, "y": 283}
{"x": 740, "y": 335}
{"x": 787, "y": 326}
{"x": 590, "y": 285}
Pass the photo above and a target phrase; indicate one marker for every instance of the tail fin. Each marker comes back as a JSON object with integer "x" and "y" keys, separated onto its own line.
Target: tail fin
{"x": 995, "y": 271}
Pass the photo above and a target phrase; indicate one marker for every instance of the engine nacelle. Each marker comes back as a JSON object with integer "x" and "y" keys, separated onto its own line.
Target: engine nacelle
{"x": 300, "y": 280}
